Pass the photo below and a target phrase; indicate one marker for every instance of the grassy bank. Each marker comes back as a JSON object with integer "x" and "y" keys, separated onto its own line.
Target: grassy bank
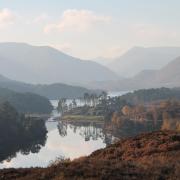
{"x": 82, "y": 117}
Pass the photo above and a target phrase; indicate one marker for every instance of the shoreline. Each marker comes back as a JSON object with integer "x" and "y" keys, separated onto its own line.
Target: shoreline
{"x": 83, "y": 118}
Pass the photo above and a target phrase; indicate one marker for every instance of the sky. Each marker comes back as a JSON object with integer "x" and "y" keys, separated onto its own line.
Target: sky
{"x": 91, "y": 28}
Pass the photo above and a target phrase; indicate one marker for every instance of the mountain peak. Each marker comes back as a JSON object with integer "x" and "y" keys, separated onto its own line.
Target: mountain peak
{"x": 139, "y": 58}
{"x": 44, "y": 64}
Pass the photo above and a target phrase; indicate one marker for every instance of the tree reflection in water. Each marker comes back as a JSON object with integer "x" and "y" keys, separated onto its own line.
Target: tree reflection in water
{"x": 62, "y": 128}
{"x": 108, "y": 132}
{"x": 87, "y": 130}
{"x": 31, "y": 142}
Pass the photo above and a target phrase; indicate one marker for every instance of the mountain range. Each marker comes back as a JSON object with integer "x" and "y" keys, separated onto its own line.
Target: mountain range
{"x": 46, "y": 70}
{"x": 138, "y": 59}
{"x": 167, "y": 76}
{"x": 43, "y": 64}
{"x": 50, "y": 91}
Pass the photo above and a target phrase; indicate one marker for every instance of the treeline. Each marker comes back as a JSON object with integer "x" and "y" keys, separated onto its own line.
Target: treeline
{"x": 149, "y": 95}
{"x": 139, "y": 97}
{"x": 140, "y": 111}
{"x": 89, "y": 102}
{"x": 26, "y": 102}
{"x": 18, "y": 133}
{"x": 134, "y": 119}
{"x": 104, "y": 105}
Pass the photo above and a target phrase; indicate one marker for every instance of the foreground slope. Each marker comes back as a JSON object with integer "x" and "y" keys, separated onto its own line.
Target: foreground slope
{"x": 148, "y": 156}
{"x": 43, "y": 64}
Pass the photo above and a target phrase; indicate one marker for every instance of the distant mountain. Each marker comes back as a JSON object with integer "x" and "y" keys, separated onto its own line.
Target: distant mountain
{"x": 52, "y": 91}
{"x": 43, "y": 64}
{"x": 138, "y": 59}
{"x": 4, "y": 79}
{"x": 102, "y": 60}
{"x": 168, "y": 76}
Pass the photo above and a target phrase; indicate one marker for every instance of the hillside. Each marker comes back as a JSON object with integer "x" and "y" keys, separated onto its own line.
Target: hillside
{"x": 138, "y": 59}
{"x": 170, "y": 74}
{"x": 42, "y": 64}
{"x": 150, "y": 95}
{"x": 51, "y": 91}
{"x": 26, "y": 102}
{"x": 167, "y": 76}
{"x": 147, "y": 156}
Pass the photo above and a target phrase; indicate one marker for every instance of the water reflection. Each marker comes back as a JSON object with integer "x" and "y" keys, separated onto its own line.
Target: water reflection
{"x": 31, "y": 142}
{"x": 64, "y": 139}
{"x": 70, "y": 140}
{"x": 87, "y": 130}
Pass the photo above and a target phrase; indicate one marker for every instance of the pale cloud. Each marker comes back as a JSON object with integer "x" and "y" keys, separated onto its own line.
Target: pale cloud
{"x": 7, "y": 17}
{"x": 41, "y": 18}
{"x": 77, "y": 20}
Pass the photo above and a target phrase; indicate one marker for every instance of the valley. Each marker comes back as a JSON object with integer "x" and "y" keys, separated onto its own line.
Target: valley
{"x": 89, "y": 90}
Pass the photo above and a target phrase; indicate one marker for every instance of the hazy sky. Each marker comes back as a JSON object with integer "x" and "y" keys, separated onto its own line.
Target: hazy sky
{"x": 91, "y": 28}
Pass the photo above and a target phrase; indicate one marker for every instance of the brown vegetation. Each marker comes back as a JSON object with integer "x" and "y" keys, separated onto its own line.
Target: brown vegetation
{"x": 167, "y": 112}
{"x": 147, "y": 156}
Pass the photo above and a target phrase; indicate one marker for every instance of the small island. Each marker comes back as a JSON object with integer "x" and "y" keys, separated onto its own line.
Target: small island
{"x": 129, "y": 114}
{"x": 89, "y": 109}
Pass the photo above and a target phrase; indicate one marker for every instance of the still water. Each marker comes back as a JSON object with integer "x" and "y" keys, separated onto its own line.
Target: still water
{"x": 68, "y": 140}
{"x": 63, "y": 140}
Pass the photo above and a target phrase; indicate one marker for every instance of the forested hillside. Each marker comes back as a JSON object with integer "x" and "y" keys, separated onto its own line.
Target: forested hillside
{"x": 51, "y": 91}
{"x": 26, "y": 102}
{"x": 149, "y": 95}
